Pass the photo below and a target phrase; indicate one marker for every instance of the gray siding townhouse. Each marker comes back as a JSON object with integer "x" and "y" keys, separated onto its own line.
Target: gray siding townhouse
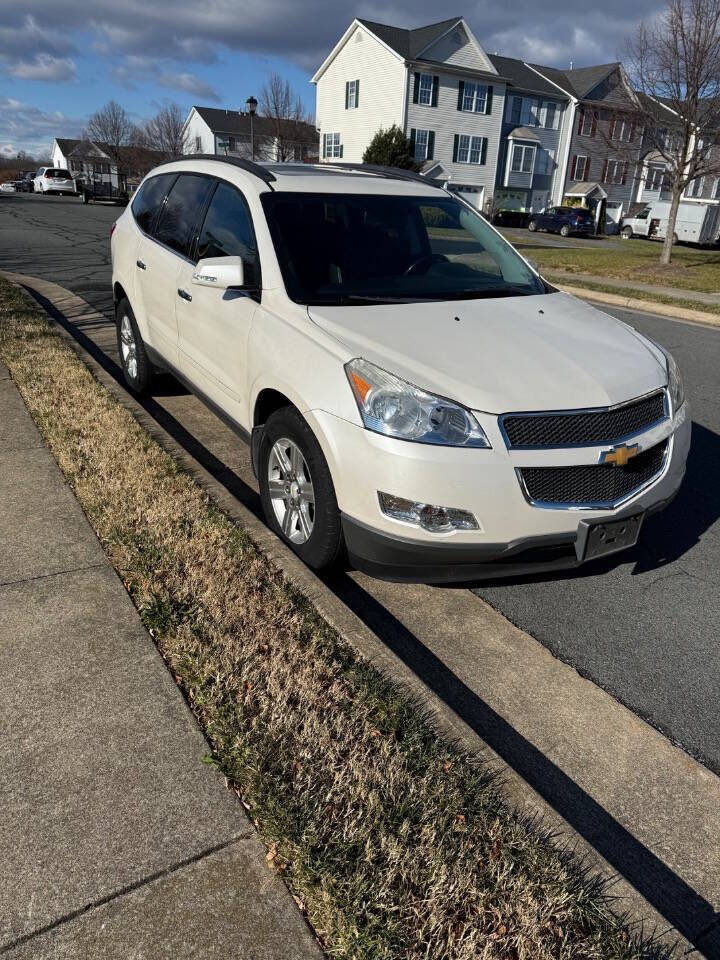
{"x": 530, "y": 173}
{"x": 606, "y": 143}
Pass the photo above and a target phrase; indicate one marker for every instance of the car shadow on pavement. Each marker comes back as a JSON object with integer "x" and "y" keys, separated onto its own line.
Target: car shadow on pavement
{"x": 675, "y": 900}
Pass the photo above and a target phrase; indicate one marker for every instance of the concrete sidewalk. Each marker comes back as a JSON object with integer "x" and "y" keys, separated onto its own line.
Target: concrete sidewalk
{"x": 116, "y": 840}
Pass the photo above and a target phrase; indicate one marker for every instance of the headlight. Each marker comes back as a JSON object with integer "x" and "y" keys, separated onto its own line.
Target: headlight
{"x": 675, "y": 383}
{"x": 396, "y": 408}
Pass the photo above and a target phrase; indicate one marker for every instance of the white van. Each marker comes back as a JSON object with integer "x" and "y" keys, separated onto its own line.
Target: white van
{"x": 696, "y": 222}
{"x": 414, "y": 394}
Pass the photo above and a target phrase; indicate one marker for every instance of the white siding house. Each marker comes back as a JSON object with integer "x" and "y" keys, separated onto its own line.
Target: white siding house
{"x": 233, "y": 133}
{"x": 436, "y": 83}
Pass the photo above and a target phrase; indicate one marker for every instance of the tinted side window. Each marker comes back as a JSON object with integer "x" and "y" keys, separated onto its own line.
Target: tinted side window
{"x": 148, "y": 200}
{"x": 181, "y": 212}
{"x": 228, "y": 232}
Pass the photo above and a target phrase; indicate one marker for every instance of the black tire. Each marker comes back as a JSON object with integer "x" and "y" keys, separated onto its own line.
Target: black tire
{"x": 675, "y": 239}
{"x": 139, "y": 376}
{"x": 532, "y": 226}
{"x": 627, "y": 233}
{"x": 325, "y": 546}
{"x": 85, "y": 198}
{"x": 564, "y": 230}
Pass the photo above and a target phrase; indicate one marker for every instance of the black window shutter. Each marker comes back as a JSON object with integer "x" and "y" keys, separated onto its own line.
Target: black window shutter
{"x": 357, "y": 93}
{"x": 431, "y": 145}
{"x": 324, "y": 146}
{"x": 416, "y": 87}
{"x": 412, "y": 141}
{"x": 483, "y": 152}
{"x": 488, "y": 102}
{"x": 347, "y": 93}
{"x": 341, "y": 151}
{"x": 455, "y": 147}
{"x": 436, "y": 84}
{"x": 461, "y": 94}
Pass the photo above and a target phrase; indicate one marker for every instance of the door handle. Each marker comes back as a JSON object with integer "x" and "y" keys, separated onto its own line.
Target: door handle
{"x": 183, "y": 294}
{"x": 140, "y": 264}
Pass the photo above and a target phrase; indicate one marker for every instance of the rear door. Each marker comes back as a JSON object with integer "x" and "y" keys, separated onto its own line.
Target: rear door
{"x": 161, "y": 256}
{"x": 214, "y": 327}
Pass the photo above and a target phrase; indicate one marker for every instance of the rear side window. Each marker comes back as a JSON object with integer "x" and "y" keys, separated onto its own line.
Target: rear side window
{"x": 148, "y": 200}
{"x": 227, "y": 231}
{"x": 182, "y": 211}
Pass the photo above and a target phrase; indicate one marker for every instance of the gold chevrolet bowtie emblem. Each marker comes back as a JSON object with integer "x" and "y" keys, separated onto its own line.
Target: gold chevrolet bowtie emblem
{"x": 619, "y": 456}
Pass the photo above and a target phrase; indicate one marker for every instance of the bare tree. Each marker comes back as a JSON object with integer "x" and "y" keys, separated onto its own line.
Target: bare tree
{"x": 674, "y": 61}
{"x": 111, "y": 126}
{"x": 164, "y": 132}
{"x": 283, "y": 108}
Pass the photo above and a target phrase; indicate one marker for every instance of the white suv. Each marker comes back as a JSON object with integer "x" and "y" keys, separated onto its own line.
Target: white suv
{"x": 413, "y": 392}
{"x": 54, "y": 180}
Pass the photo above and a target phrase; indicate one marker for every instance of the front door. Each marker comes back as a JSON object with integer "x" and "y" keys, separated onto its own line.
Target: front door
{"x": 214, "y": 327}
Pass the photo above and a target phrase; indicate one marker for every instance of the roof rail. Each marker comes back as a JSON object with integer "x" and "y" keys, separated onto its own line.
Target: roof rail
{"x": 393, "y": 173}
{"x": 248, "y": 165}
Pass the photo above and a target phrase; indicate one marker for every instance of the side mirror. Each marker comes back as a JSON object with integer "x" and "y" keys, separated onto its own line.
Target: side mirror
{"x": 223, "y": 273}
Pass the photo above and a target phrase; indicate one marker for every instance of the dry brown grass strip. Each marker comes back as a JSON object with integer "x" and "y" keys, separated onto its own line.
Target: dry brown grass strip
{"x": 395, "y": 843}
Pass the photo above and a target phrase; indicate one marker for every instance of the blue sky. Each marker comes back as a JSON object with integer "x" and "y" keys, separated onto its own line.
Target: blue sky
{"x": 60, "y": 61}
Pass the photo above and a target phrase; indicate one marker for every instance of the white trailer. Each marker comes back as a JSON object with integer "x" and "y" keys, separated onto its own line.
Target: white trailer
{"x": 696, "y": 222}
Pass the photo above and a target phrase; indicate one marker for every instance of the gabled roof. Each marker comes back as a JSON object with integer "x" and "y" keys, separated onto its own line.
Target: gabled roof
{"x": 521, "y": 76}
{"x": 69, "y": 146}
{"x": 237, "y": 122}
{"x": 409, "y": 43}
{"x": 580, "y": 81}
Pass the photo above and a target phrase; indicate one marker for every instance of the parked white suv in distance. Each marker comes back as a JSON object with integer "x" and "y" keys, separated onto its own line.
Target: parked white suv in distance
{"x": 414, "y": 393}
{"x": 54, "y": 180}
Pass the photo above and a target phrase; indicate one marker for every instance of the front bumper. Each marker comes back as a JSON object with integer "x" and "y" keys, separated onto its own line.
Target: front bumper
{"x": 515, "y": 536}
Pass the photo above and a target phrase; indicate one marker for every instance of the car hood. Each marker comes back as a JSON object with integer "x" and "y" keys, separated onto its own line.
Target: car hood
{"x": 549, "y": 352}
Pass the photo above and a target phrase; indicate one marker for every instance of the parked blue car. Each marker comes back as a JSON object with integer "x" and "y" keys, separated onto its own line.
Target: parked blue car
{"x": 564, "y": 220}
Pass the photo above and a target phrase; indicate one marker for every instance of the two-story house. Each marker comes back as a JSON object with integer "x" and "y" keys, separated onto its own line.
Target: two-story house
{"x": 435, "y": 82}
{"x": 236, "y": 133}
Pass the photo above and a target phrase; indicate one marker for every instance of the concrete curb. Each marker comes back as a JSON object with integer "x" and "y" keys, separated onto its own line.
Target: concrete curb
{"x": 648, "y": 306}
{"x": 519, "y": 793}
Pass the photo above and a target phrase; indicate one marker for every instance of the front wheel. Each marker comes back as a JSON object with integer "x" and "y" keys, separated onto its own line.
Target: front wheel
{"x": 564, "y": 230}
{"x": 532, "y": 226}
{"x": 296, "y": 489}
{"x": 626, "y": 233}
{"x": 136, "y": 365}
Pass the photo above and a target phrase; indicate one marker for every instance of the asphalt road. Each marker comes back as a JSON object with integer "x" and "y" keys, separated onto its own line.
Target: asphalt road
{"x": 645, "y": 627}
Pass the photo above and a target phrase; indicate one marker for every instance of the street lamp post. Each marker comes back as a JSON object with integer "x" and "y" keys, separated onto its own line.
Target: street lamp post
{"x": 251, "y": 104}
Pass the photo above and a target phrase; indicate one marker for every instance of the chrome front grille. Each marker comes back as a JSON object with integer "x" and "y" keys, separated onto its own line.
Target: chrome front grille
{"x": 583, "y": 428}
{"x": 590, "y": 486}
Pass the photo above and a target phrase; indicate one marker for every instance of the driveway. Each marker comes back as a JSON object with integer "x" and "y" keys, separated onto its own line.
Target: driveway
{"x": 643, "y": 627}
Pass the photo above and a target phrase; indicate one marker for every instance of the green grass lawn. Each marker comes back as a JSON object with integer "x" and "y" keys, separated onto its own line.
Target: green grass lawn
{"x": 637, "y": 261}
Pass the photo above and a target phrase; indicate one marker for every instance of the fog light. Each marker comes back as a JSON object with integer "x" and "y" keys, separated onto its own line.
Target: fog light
{"x": 426, "y": 515}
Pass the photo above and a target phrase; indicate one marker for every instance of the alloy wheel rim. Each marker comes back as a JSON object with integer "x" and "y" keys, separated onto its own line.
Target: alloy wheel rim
{"x": 291, "y": 491}
{"x": 128, "y": 347}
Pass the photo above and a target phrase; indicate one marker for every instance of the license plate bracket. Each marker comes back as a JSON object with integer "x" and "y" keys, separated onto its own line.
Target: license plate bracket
{"x": 603, "y": 537}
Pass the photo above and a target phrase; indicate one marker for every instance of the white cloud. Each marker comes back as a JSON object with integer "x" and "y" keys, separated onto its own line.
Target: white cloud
{"x": 45, "y": 67}
{"x": 189, "y": 83}
{"x": 29, "y": 128}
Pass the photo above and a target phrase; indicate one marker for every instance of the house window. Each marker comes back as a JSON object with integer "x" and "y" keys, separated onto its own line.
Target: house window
{"x": 579, "y": 168}
{"x": 352, "y": 94}
{"x": 550, "y": 115}
{"x": 522, "y": 158}
{"x": 421, "y": 144}
{"x": 716, "y": 189}
{"x": 515, "y": 105}
{"x": 695, "y": 188}
{"x": 528, "y": 114}
{"x": 615, "y": 171}
{"x": 655, "y": 177}
{"x": 621, "y": 129}
{"x": 331, "y": 145}
{"x": 587, "y": 124}
{"x": 198, "y": 144}
{"x": 475, "y": 97}
{"x": 470, "y": 149}
{"x": 544, "y": 162}
{"x": 425, "y": 89}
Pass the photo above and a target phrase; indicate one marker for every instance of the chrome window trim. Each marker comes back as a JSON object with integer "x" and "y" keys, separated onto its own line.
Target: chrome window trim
{"x": 600, "y": 504}
{"x": 581, "y": 410}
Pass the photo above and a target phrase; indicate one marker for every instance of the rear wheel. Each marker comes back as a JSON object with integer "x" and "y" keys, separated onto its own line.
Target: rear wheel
{"x": 626, "y": 233}
{"x": 532, "y": 226}
{"x": 136, "y": 366}
{"x": 296, "y": 489}
{"x": 564, "y": 230}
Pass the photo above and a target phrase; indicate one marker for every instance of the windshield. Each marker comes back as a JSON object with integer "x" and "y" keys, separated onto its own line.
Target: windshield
{"x": 374, "y": 248}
